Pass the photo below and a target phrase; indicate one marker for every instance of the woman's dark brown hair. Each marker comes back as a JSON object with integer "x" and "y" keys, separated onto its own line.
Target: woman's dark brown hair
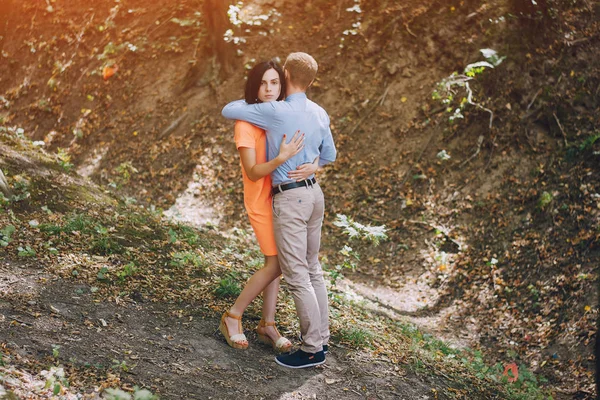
{"x": 255, "y": 79}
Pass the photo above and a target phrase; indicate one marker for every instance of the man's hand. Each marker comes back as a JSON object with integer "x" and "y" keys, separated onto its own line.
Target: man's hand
{"x": 303, "y": 171}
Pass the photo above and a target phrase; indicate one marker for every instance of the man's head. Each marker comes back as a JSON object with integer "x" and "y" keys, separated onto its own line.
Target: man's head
{"x": 300, "y": 70}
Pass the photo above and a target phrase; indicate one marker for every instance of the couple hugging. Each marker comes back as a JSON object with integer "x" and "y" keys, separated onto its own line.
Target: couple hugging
{"x": 284, "y": 202}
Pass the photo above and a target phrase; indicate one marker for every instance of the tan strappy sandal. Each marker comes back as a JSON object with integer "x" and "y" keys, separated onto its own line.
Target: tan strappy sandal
{"x": 281, "y": 345}
{"x": 237, "y": 341}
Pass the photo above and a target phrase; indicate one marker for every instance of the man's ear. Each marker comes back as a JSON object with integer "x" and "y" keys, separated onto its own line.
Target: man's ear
{"x": 286, "y": 74}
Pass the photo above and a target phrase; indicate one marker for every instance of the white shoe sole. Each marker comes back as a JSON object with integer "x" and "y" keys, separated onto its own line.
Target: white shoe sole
{"x": 299, "y": 366}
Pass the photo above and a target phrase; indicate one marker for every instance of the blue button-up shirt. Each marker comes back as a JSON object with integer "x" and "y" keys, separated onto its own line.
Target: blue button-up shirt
{"x": 277, "y": 118}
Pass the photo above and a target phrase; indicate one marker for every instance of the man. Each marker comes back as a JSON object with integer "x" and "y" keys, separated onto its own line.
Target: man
{"x": 297, "y": 206}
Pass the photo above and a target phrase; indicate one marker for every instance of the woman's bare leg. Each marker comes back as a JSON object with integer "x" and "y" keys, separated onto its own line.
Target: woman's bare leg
{"x": 262, "y": 280}
{"x": 270, "y": 305}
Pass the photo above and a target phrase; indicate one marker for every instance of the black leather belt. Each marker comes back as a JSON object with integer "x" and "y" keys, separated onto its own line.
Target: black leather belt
{"x": 293, "y": 185}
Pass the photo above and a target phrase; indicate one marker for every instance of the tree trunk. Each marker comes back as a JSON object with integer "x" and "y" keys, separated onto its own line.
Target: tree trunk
{"x": 217, "y": 23}
{"x": 5, "y": 12}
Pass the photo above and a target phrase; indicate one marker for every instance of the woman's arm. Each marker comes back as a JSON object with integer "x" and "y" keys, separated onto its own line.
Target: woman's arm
{"x": 256, "y": 171}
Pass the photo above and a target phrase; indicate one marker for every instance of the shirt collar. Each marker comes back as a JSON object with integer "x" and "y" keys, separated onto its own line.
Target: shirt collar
{"x": 299, "y": 95}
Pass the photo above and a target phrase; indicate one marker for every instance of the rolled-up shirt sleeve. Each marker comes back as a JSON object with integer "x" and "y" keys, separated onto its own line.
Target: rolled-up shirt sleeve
{"x": 260, "y": 115}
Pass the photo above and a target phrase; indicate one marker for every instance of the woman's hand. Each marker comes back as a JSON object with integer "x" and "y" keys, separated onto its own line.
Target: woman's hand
{"x": 289, "y": 150}
{"x": 303, "y": 171}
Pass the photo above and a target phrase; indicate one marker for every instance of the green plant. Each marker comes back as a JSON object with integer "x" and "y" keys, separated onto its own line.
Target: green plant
{"x": 21, "y": 186}
{"x": 347, "y": 263}
{"x": 355, "y": 230}
{"x": 26, "y": 251}
{"x": 125, "y": 170}
{"x": 128, "y": 270}
{"x": 355, "y": 337}
{"x": 102, "y": 274}
{"x": 5, "y": 235}
{"x": 544, "y": 200}
{"x": 228, "y": 287}
{"x": 449, "y": 87}
{"x": 78, "y": 223}
{"x": 187, "y": 259}
{"x": 55, "y": 379}
{"x": 105, "y": 245}
{"x": 121, "y": 365}
{"x": 64, "y": 159}
{"x": 373, "y": 234}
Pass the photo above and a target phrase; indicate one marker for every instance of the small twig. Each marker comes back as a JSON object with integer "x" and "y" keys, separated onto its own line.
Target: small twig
{"x": 408, "y": 29}
{"x": 21, "y": 322}
{"x": 534, "y": 97}
{"x": 561, "y": 128}
{"x": 491, "y": 154}
{"x": 417, "y": 160}
{"x": 479, "y": 143}
{"x": 377, "y": 104}
{"x": 160, "y": 24}
{"x": 173, "y": 126}
{"x": 382, "y": 100}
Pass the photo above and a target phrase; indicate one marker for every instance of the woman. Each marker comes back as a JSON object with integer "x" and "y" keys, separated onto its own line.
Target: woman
{"x": 265, "y": 83}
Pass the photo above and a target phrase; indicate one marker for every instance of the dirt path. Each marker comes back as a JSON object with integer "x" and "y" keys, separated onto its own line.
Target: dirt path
{"x": 180, "y": 358}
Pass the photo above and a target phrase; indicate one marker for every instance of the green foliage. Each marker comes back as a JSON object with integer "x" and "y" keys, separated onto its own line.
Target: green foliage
{"x": 21, "y": 188}
{"x": 187, "y": 259}
{"x": 121, "y": 366}
{"x": 5, "y": 235}
{"x": 355, "y": 230}
{"x": 64, "y": 159}
{"x": 105, "y": 245}
{"x": 55, "y": 351}
{"x": 102, "y": 274}
{"x": 228, "y": 287}
{"x": 78, "y": 223}
{"x": 373, "y": 234}
{"x": 187, "y": 234}
{"x": 26, "y": 251}
{"x": 544, "y": 200}
{"x": 128, "y": 271}
{"x": 356, "y": 337}
{"x": 447, "y": 89}
{"x": 589, "y": 142}
{"x": 585, "y": 146}
{"x": 172, "y": 236}
{"x": 125, "y": 170}
{"x": 349, "y": 255}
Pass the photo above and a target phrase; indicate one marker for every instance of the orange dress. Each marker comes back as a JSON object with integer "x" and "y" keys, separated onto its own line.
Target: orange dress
{"x": 257, "y": 195}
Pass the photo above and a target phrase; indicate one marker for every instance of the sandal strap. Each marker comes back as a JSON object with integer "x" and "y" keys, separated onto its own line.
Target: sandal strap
{"x": 230, "y": 315}
{"x": 282, "y": 342}
{"x": 264, "y": 323}
{"x": 239, "y": 337}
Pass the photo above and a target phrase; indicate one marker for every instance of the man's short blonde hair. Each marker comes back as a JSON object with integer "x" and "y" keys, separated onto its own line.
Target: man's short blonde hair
{"x": 302, "y": 68}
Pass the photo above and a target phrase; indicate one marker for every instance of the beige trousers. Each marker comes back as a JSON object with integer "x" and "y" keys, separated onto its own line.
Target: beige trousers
{"x": 297, "y": 220}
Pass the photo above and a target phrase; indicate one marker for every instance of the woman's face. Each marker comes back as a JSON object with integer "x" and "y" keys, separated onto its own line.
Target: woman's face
{"x": 270, "y": 86}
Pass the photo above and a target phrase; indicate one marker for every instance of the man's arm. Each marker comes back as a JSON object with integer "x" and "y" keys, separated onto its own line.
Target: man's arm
{"x": 260, "y": 115}
{"x": 327, "y": 148}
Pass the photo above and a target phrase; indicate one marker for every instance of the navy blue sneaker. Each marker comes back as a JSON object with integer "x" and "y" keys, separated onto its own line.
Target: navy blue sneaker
{"x": 325, "y": 347}
{"x": 301, "y": 359}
